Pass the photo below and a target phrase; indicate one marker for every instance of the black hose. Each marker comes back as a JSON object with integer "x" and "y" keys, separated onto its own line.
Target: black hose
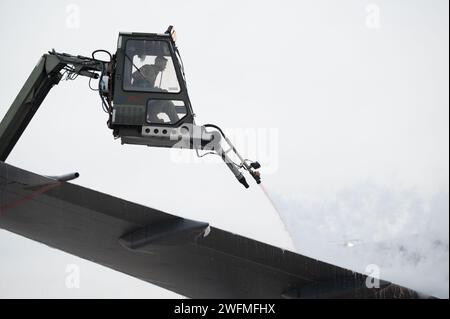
{"x": 216, "y": 127}
{"x": 104, "y": 51}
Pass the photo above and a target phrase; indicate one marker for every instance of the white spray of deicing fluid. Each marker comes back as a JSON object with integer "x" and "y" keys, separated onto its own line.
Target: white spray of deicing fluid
{"x": 272, "y": 203}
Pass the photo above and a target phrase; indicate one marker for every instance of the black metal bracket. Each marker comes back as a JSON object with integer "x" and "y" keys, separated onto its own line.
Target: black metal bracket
{"x": 176, "y": 231}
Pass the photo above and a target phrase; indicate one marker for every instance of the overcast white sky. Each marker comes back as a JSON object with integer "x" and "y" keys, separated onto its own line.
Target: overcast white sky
{"x": 347, "y": 101}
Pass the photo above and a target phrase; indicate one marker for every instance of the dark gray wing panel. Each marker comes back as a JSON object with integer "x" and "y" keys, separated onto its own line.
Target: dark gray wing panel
{"x": 185, "y": 256}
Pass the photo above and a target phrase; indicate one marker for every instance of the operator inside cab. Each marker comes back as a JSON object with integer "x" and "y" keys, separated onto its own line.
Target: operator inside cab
{"x": 146, "y": 75}
{"x": 149, "y": 68}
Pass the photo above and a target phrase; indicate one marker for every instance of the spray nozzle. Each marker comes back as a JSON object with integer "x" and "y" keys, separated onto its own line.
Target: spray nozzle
{"x": 255, "y": 165}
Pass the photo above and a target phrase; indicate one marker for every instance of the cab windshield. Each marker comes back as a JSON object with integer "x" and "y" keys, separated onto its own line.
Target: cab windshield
{"x": 149, "y": 67}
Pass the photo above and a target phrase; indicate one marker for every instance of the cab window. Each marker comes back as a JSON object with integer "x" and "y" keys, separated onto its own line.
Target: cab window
{"x": 148, "y": 67}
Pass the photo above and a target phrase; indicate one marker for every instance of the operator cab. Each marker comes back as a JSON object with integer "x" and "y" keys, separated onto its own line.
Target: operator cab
{"x": 150, "y": 99}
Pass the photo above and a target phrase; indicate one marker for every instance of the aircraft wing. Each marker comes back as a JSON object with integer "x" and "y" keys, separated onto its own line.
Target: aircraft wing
{"x": 185, "y": 256}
